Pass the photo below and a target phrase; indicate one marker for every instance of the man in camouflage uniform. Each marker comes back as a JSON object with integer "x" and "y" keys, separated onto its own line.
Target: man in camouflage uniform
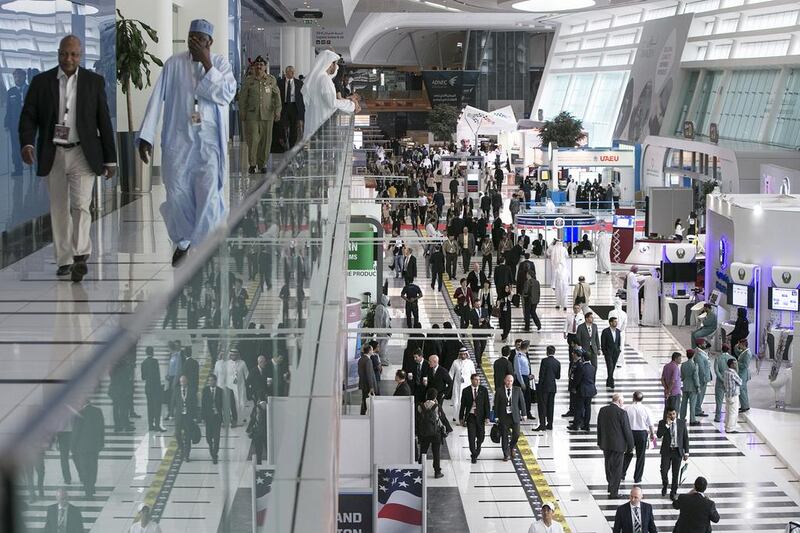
{"x": 260, "y": 107}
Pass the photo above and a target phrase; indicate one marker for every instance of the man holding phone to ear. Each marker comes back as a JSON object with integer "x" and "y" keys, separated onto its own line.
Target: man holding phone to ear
{"x": 66, "y": 107}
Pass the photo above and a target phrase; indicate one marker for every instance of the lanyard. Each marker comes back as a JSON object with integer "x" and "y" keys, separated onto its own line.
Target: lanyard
{"x": 68, "y": 91}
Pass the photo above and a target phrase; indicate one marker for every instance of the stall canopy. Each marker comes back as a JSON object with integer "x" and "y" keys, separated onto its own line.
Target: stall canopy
{"x": 475, "y": 122}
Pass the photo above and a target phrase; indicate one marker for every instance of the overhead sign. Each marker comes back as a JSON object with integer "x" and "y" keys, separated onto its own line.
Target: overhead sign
{"x": 360, "y": 254}
{"x": 451, "y": 87}
{"x": 650, "y": 86}
{"x": 592, "y": 158}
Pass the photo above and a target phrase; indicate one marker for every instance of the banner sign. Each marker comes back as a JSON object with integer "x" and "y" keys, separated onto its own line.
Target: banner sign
{"x": 595, "y": 158}
{"x": 360, "y": 255}
{"x": 658, "y": 60}
{"x": 469, "y": 81}
{"x": 355, "y": 513}
{"x": 400, "y": 499}
{"x": 451, "y": 87}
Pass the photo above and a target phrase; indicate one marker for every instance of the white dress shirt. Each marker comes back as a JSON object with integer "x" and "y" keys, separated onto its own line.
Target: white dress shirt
{"x": 573, "y": 320}
{"x": 633, "y": 517}
{"x": 290, "y": 90}
{"x": 539, "y": 527}
{"x": 639, "y": 417}
{"x": 67, "y": 93}
{"x": 151, "y": 527}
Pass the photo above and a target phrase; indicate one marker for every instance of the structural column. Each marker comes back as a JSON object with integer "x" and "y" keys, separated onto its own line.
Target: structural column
{"x": 297, "y": 49}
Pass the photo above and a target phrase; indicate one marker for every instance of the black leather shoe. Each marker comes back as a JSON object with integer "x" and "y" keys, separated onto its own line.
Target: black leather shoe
{"x": 252, "y": 170}
{"x": 79, "y": 269}
{"x": 474, "y": 460}
{"x": 663, "y": 490}
{"x": 540, "y": 428}
{"x": 438, "y": 475}
{"x": 178, "y": 256}
{"x": 64, "y": 270}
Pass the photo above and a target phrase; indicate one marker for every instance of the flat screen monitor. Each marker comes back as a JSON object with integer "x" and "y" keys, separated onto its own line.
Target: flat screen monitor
{"x": 741, "y": 295}
{"x": 624, "y": 221}
{"x": 781, "y": 299}
{"x": 571, "y": 234}
{"x": 679, "y": 272}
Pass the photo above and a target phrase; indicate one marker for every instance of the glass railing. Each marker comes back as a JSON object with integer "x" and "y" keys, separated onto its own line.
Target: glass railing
{"x": 257, "y": 310}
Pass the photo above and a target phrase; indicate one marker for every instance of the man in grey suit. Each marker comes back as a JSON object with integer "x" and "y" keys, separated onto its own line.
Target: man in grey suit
{"x": 697, "y": 511}
{"x": 589, "y": 338}
{"x": 690, "y": 378}
{"x": 509, "y": 406}
{"x": 531, "y": 292}
{"x": 549, "y": 373}
{"x": 366, "y": 376}
{"x": 466, "y": 245}
{"x": 674, "y": 447}
{"x": 614, "y": 437}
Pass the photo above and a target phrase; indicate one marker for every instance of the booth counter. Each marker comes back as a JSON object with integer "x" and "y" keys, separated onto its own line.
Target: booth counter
{"x": 585, "y": 266}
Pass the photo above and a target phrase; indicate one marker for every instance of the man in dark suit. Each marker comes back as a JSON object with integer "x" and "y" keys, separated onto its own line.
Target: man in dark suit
{"x": 415, "y": 373}
{"x": 614, "y": 437}
{"x": 366, "y": 376}
{"x": 439, "y": 378}
{"x": 258, "y": 381}
{"x": 63, "y": 517}
{"x": 191, "y": 369}
{"x": 185, "y": 415}
{"x": 66, "y": 114}
{"x": 589, "y": 338}
{"x": 473, "y": 413}
{"x": 409, "y": 264}
{"x": 509, "y": 405}
{"x": 585, "y": 390}
{"x": 88, "y": 438}
{"x": 611, "y": 344}
{"x": 635, "y": 516}
{"x": 151, "y": 375}
{"x": 502, "y": 367}
{"x": 211, "y": 413}
{"x": 697, "y": 511}
{"x": 674, "y": 448}
{"x": 15, "y": 96}
{"x": 549, "y": 373}
{"x": 402, "y": 388}
{"x": 503, "y": 277}
{"x": 293, "y": 110}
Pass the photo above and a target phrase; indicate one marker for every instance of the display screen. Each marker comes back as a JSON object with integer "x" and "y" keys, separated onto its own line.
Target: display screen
{"x": 571, "y": 234}
{"x": 739, "y": 295}
{"x": 784, "y": 299}
{"x": 679, "y": 272}
{"x": 624, "y": 221}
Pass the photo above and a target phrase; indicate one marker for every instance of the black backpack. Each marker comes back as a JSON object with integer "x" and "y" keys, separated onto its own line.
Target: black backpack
{"x": 429, "y": 422}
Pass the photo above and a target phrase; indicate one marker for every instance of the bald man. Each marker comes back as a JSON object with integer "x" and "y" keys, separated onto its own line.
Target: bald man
{"x": 69, "y": 122}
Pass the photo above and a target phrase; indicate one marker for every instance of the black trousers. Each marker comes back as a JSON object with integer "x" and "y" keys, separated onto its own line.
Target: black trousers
{"x": 435, "y": 443}
{"x": 120, "y": 411}
{"x": 509, "y": 433}
{"x": 527, "y": 394}
{"x": 64, "y": 442}
{"x": 613, "y": 462}
{"x": 451, "y": 265}
{"x": 183, "y": 435}
{"x": 290, "y": 123}
{"x": 547, "y": 403}
{"x": 671, "y": 461}
{"x": 611, "y": 364}
{"x": 672, "y": 402}
{"x": 475, "y": 435}
{"x": 412, "y": 314}
{"x": 86, "y": 465}
{"x": 436, "y": 277}
{"x": 364, "y": 396}
{"x": 466, "y": 257}
{"x": 487, "y": 259}
{"x": 583, "y": 412}
{"x": 640, "y": 446}
{"x": 153, "y": 409}
{"x": 480, "y": 347}
{"x": 213, "y": 429}
{"x": 528, "y": 312}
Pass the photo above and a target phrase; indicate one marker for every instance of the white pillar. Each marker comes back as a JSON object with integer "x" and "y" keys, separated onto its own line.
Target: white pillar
{"x": 297, "y": 49}
{"x": 158, "y": 15}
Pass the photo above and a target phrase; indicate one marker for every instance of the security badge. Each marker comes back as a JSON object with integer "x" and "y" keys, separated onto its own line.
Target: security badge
{"x": 61, "y": 133}
{"x": 196, "y": 119}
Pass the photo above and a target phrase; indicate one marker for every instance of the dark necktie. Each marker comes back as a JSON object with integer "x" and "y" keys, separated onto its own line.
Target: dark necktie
{"x": 637, "y": 521}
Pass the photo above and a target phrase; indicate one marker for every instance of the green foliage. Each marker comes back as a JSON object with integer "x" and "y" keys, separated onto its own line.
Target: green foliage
{"x": 442, "y": 120}
{"x": 133, "y": 59}
{"x": 564, "y": 130}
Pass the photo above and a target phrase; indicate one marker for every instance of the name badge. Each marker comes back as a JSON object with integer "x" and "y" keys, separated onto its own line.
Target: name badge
{"x": 196, "y": 119}
{"x": 61, "y": 133}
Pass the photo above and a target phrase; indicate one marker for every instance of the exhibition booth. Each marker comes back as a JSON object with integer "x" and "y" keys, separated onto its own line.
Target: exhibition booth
{"x": 567, "y": 224}
{"x": 752, "y": 263}
{"x": 584, "y": 165}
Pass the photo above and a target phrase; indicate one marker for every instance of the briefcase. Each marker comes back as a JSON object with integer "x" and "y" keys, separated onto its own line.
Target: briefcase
{"x": 195, "y": 433}
{"x": 515, "y": 299}
{"x": 494, "y": 434}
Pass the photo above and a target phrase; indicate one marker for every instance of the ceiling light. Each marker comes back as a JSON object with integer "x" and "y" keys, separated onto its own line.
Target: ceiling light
{"x": 548, "y": 6}
{"x": 48, "y": 7}
{"x": 434, "y": 4}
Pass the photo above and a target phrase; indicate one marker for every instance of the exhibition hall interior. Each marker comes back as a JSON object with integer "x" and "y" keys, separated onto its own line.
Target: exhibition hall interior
{"x": 399, "y": 266}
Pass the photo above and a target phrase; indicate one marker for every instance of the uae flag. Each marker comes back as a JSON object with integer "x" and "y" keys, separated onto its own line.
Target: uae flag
{"x": 263, "y": 485}
{"x": 400, "y": 502}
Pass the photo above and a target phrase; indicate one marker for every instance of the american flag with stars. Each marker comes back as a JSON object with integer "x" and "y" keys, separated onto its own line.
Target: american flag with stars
{"x": 263, "y": 481}
{"x": 400, "y": 500}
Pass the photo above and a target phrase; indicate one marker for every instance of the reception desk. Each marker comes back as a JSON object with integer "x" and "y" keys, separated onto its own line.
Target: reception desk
{"x": 578, "y": 266}
{"x": 677, "y": 311}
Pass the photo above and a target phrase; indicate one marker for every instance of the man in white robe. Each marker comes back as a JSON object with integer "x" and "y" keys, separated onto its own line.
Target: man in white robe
{"x": 651, "y": 299}
{"x": 319, "y": 93}
{"x": 572, "y": 192}
{"x": 604, "y": 252}
{"x": 460, "y": 371}
{"x": 632, "y": 294}
{"x": 560, "y": 274}
{"x": 232, "y": 373}
{"x": 194, "y": 90}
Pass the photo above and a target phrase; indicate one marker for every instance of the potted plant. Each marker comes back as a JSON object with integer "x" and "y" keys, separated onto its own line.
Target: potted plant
{"x": 564, "y": 130}
{"x": 133, "y": 69}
